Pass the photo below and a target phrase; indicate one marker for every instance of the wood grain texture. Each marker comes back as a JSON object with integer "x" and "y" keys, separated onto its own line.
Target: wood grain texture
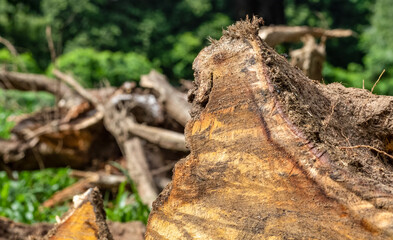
{"x": 251, "y": 173}
{"x": 85, "y": 221}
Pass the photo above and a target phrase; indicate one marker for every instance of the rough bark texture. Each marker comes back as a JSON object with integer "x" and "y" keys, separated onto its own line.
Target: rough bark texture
{"x": 269, "y": 153}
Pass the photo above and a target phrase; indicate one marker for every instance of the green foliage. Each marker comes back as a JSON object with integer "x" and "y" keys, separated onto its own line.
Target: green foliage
{"x": 126, "y": 208}
{"x": 353, "y": 62}
{"x": 378, "y": 42}
{"x": 22, "y": 63}
{"x": 5, "y": 126}
{"x": 22, "y": 24}
{"x": 13, "y": 103}
{"x": 150, "y": 28}
{"x": 354, "y": 75}
{"x": 90, "y": 67}
{"x": 353, "y": 14}
{"x": 351, "y": 77}
{"x": 183, "y": 53}
{"x": 187, "y": 45}
{"x": 20, "y": 200}
{"x": 120, "y": 210}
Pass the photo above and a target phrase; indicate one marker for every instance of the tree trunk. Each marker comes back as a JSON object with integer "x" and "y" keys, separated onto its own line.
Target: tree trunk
{"x": 275, "y": 155}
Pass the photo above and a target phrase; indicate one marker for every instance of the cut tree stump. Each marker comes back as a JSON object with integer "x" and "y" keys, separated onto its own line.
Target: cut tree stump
{"x": 87, "y": 220}
{"x": 275, "y": 155}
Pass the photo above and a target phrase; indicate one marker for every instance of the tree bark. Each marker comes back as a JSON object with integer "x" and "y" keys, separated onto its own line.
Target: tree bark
{"x": 139, "y": 170}
{"x": 33, "y": 82}
{"x": 271, "y": 154}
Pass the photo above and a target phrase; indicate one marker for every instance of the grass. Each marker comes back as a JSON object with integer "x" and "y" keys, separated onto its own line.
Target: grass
{"x": 20, "y": 200}
{"x": 125, "y": 208}
{"x": 136, "y": 210}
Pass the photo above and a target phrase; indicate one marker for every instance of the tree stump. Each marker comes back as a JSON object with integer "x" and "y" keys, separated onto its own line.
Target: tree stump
{"x": 87, "y": 220}
{"x": 275, "y": 155}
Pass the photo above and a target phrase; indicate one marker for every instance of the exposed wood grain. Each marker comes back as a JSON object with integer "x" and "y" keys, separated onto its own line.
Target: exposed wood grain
{"x": 256, "y": 169}
{"x": 85, "y": 221}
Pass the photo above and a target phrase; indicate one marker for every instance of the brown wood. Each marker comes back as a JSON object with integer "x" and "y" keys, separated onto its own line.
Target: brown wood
{"x": 68, "y": 193}
{"x": 123, "y": 127}
{"x": 139, "y": 170}
{"x": 310, "y": 57}
{"x": 19, "y": 231}
{"x": 174, "y": 101}
{"x": 33, "y": 82}
{"x": 85, "y": 221}
{"x": 266, "y": 160}
{"x": 89, "y": 180}
{"x": 78, "y": 88}
{"x": 39, "y": 141}
{"x": 274, "y": 35}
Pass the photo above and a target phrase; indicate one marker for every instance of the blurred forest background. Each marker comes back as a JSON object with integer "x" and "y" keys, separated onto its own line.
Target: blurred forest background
{"x": 117, "y": 41}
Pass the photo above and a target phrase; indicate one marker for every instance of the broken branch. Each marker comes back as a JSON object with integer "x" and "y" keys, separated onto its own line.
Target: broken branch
{"x": 274, "y": 35}
{"x": 174, "y": 101}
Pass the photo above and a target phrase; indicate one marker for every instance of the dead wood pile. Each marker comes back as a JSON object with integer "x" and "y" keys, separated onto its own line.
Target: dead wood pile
{"x": 143, "y": 125}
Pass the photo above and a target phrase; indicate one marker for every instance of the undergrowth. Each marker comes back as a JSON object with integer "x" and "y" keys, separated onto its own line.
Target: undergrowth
{"x": 13, "y": 103}
{"x": 127, "y": 207}
{"x": 21, "y": 199}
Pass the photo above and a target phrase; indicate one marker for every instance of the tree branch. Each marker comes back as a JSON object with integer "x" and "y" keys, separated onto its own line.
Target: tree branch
{"x": 279, "y": 34}
{"x": 32, "y": 82}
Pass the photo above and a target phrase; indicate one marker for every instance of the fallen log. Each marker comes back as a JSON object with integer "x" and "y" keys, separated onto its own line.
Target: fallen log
{"x": 266, "y": 153}
{"x": 39, "y": 143}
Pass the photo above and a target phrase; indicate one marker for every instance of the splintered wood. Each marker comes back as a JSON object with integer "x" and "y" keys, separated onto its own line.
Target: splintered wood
{"x": 257, "y": 169}
{"x": 86, "y": 221}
